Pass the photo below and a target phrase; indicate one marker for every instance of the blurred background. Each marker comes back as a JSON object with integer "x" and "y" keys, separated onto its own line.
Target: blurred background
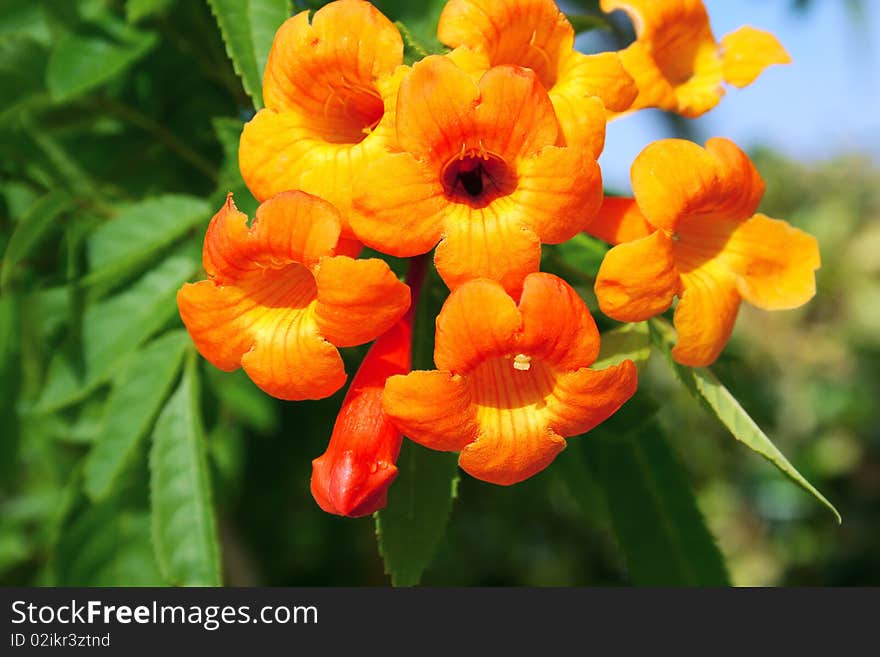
{"x": 160, "y": 114}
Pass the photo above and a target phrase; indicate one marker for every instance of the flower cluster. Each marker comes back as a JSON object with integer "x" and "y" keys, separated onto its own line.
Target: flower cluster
{"x": 485, "y": 152}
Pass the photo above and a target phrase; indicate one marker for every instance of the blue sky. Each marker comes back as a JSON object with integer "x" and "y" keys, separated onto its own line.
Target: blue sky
{"x": 825, "y": 103}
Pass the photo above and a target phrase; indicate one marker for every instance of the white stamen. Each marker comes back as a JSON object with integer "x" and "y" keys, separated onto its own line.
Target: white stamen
{"x": 522, "y": 362}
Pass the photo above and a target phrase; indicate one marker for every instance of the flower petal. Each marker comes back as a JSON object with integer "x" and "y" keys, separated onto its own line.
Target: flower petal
{"x": 432, "y": 408}
{"x": 263, "y": 322}
{"x": 619, "y": 220}
{"x": 741, "y": 186}
{"x": 294, "y": 227}
{"x": 399, "y": 205}
{"x": 672, "y": 178}
{"x": 290, "y": 360}
{"x": 705, "y": 315}
{"x": 435, "y": 105}
{"x": 514, "y": 116}
{"x": 675, "y": 60}
{"x": 775, "y": 263}
{"x": 558, "y": 193}
{"x": 477, "y": 321}
{"x": 508, "y": 455}
{"x": 358, "y": 300}
{"x": 224, "y": 254}
{"x": 638, "y": 279}
{"x": 528, "y": 33}
{"x": 349, "y": 43}
{"x": 277, "y": 153}
{"x": 601, "y": 75}
{"x": 585, "y": 398}
{"x": 556, "y": 325}
{"x": 747, "y": 52}
{"x": 487, "y": 243}
{"x": 654, "y": 90}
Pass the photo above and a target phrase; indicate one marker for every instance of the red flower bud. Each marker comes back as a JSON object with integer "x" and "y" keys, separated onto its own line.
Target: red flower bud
{"x": 353, "y": 476}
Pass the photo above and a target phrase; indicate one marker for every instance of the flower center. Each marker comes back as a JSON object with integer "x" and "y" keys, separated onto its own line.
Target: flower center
{"x": 477, "y": 178}
{"x": 350, "y": 113}
{"x": 509, "y": 383}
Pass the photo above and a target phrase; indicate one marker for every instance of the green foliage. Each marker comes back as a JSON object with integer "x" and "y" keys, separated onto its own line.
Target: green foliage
{"x": 139, "y": 233}
{"x": 184, "y": 529}
{"x": 119, "y": 139}
{"x": 80, "y": 62}
{"x": 410, "y": 528}
{"x": 655, "y": 517}
{"x": 32, "y": 227}
{"x": 628, "y": 342}
{"x": 131, "y": 409}
{"x": 707, "y": 388}
{"x": 111, "y": 330}
{"x": 248, "y": 27}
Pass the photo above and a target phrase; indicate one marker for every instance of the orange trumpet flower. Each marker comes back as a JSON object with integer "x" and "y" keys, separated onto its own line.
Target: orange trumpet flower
{"x": 676, "y": 62}
{"x": 536, "y": 35}
{"x": 481, "y": 171}
{"x": 692, "y": 231}
{"x": 279, "y": 299}
{"x": 351, "y": 478}
{"x": 329, "y": 89}
{"x": 513, "y": 380}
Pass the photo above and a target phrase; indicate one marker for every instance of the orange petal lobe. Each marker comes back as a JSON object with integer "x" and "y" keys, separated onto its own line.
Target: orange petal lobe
{"x": 435, "y": 106}
{"x": 638, "y": 279}
{"x": 556, "y": 325}
{"x": 528, "y": 33}
{"x": 477, "y": 321}
{"x": 747, "y": 52}
{"x": 672, "y": 178}
{"x": 487, "y": 243}
{"x": 585, "y": 398}
{"x": 506, "y": 457}
{"x": 347, "y": 37}
{"x": 400, "y": 206}
{"x": 619, "y": 220}
{"x": 777, "y": 269}
{"x": 705, "y": 315}
{"x": 432, "y": 408}
{"x": 558, "y": 193}
{"x": 357, "y": 300}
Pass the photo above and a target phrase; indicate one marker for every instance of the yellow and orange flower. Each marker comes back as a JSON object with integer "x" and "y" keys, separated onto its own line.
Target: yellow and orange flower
{"x": 692, "y": 231}
{"x": 479, "y": 170}
{"x": 279, "y": 298}
{"x": 329, "y": 89}
{"x": 513, "y": 380}
{"x": 676, "y": 62}
{"x": 536, "y": 35}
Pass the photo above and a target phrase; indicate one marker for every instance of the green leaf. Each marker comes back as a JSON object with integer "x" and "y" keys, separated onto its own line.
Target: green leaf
{"x": 706, "y": 387}
{"x": 22, "y": 71}
{"x": 630, "y": 341}
{"x": 228, "y": 132}
{"x": 184, "y": 530}
{"x": 130, "y": 411}
{"x": 413, "y": 523}
{"x": 137, "y": 10}
{"x": 653, "y": 511}
{"x": 420, "y": 20}
{"x": 139, "y": 233}
{"x": 248, "y": 28}
{"x": 112, "y": 330}
{"x": 583, "y": 253}
{"x": 10, "y": 379}
{"x": 40, "y": 218}
{"x": 79, "y": 62}
{"x": 105, "y": 545}
{"x": 587, "y": 22}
